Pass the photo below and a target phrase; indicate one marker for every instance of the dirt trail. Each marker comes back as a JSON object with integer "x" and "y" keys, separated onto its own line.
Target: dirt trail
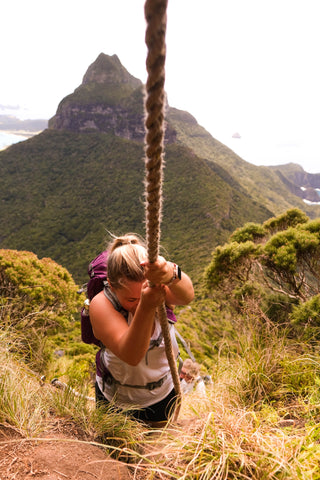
{"x": 55, "y": 457}
{"x": 63, "y": 453}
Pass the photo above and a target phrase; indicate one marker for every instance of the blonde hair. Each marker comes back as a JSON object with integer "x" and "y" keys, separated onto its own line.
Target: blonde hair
{"x": 191, "y": 368}
{"x": 125, "y": 256}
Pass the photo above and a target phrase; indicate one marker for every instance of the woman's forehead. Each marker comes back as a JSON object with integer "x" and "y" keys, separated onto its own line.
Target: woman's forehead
{"x": 132, "y": 288}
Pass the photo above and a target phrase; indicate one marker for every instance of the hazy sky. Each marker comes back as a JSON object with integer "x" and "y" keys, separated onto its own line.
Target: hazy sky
{"x": 238, "y": 66}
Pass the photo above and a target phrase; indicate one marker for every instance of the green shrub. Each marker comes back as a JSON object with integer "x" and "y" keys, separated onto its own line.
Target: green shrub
{"x": 38, "y": 299}
{"x": 305, "y": 317}
{"x": 249, "y": 232}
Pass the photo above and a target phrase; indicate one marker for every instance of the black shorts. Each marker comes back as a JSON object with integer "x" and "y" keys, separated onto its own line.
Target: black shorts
{"x": 158, "y": 412}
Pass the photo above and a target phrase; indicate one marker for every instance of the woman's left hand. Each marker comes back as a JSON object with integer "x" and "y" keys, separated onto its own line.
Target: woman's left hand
{"x": 159, "y": 272}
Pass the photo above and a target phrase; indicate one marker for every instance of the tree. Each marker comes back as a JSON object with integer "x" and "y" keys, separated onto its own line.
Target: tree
{"x": 282, "y": 256}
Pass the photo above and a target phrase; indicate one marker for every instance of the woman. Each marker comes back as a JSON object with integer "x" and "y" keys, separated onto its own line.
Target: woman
{"x": 132, "y": 367}
{"x": 191, "y": 379}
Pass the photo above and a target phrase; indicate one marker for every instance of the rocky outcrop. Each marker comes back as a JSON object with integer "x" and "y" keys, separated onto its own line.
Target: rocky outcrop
{"x": 109, "y": 100}
{"x": 300, "y": 183}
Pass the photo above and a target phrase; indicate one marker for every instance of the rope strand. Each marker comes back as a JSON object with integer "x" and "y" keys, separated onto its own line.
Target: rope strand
{"x": 156, "y": 17}
{"x": 155, "y": 14}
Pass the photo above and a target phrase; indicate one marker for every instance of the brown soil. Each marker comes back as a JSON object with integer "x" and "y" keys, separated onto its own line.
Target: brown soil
{"x": 63, "y": 452}
{"x": 56, "y": 455}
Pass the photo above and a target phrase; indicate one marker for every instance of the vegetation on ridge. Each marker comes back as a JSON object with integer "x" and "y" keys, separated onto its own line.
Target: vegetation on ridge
{"x": 279, "y": 259}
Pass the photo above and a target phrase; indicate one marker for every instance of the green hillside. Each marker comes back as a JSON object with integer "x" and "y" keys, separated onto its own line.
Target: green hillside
{"x": 62, "y": 191}
{"x": 262, "y": 183}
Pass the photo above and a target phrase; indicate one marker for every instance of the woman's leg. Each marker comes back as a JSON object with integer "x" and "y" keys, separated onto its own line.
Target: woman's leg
{"x": 157, "y": 414}
{"x": 100, "y": 398}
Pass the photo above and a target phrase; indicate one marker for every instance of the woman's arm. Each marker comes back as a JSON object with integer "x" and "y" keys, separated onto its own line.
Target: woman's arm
{"x": 181, "y": 292}
{"x": 128, "y": 342}
{"x": 178, "y": 291}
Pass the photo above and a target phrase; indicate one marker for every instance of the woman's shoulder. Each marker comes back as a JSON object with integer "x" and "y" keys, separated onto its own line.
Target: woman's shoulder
{"x": 99, "y": 303}
{"x": 100, "y": 297}
{"x": 106, "y": 301}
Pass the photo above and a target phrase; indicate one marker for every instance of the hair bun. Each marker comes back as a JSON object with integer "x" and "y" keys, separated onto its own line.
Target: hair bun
{"x": 124, "y": 240}
{"x": 129, "y": 240}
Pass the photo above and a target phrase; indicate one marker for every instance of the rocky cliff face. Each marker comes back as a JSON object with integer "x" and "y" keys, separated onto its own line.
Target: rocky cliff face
{"x": 101, "y": 118}
{"x": 303, "y": 184}
{"x": 109, "y": 100}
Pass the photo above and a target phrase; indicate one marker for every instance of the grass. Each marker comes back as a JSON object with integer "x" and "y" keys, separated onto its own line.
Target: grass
{"x": 261, "y": 419}
{"x": 229, "y": 443}
{"x": 22, "y": 401}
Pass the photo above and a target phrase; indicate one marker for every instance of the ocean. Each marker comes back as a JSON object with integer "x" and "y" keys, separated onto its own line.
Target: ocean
{"x": 7, "y": 139}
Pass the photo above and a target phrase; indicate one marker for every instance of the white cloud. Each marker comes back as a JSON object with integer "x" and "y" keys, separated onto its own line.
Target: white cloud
{"x": 248, "y": 66}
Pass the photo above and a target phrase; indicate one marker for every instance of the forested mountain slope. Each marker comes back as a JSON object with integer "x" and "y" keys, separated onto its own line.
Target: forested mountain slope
{"x": 62, "y": 190}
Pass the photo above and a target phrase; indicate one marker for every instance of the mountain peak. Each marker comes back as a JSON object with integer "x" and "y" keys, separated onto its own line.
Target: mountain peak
{"x": 109, "y": 99}
{"x": 109, "y": 70}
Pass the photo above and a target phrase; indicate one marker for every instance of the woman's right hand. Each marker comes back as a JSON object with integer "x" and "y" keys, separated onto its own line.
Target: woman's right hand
{"x": 152, "y": 296}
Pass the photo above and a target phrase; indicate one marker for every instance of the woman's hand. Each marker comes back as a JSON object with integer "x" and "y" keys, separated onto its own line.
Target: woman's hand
{"x": 152, "y": 296}
{"x": 159, "y": 272}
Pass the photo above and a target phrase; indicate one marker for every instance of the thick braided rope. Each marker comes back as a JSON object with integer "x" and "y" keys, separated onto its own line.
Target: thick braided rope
{"x": 155, "y": 14}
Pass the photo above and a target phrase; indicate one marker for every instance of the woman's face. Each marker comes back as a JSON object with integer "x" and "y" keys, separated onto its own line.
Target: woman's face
{"x": 184, "y": 375}
{"x": 129, "y": 295}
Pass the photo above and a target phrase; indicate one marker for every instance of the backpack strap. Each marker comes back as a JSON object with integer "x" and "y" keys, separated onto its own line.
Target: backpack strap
{"x": 148, "y": 386}
{"x": 186, "y": 346}
{"x": 112, "y": 297}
